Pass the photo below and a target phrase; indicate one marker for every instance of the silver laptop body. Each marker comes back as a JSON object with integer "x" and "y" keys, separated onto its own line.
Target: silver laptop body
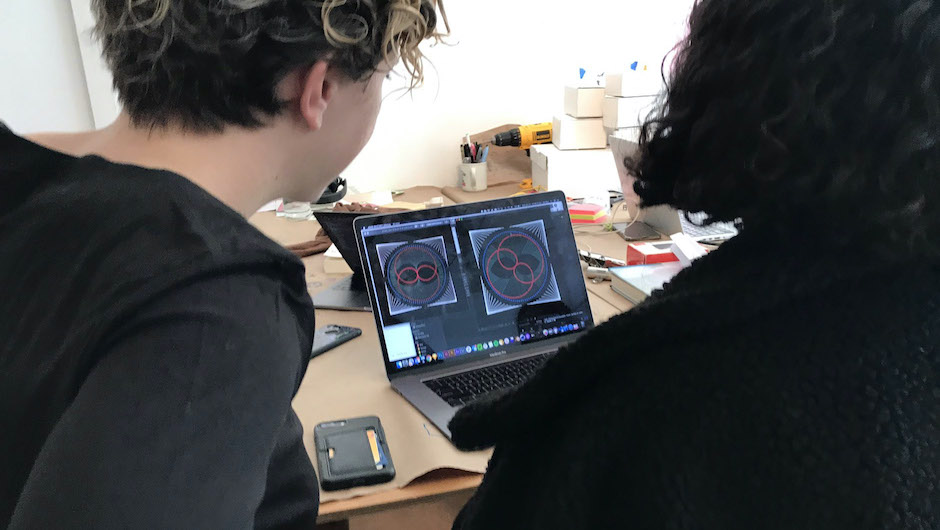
{"x": 471, "y": 292}
{"x": 668, "y": 221}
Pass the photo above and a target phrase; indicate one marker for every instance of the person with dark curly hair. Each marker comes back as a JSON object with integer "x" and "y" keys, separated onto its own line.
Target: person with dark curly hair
{"x": 152, "y": 338}
{"x": 791, "y": 378}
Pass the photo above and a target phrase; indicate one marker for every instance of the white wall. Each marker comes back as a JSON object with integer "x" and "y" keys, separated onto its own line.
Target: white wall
{"x": 509, "y": 64}
{"x": 42, "y": 87}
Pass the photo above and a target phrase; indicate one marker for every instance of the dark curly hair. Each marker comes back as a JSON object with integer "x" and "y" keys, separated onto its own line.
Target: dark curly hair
{"x": 202, "y": 65}
{"x": 816, "y": 115}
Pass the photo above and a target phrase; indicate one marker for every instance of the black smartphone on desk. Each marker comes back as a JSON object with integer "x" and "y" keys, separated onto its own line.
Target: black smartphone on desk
{"x": 352, "y": 453}
{"x": 329, "y": 337}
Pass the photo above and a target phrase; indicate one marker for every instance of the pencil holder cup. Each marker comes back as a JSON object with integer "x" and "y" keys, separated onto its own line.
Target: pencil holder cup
{"x": 472, "y": 177}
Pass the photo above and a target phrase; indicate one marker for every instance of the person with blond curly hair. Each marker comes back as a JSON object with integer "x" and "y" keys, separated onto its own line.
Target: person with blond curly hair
{"x": 152, "y": 338}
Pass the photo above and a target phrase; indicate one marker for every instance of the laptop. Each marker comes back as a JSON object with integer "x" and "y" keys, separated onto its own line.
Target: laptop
{"x": 471, "y": 299}
{"x": 348, "y": 294}
{"x": 670, "y": 221}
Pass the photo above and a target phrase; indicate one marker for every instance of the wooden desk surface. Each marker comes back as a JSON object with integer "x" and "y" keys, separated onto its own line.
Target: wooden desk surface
{"x": 604, "y": 303}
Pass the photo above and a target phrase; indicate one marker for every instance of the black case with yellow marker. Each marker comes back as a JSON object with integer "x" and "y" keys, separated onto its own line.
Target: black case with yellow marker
{"x": 352, "y": 453}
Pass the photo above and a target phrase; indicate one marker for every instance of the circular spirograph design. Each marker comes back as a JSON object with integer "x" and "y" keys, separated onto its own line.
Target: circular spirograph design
{"x": 416, "y": 274}
{"x": 515, "y": 266}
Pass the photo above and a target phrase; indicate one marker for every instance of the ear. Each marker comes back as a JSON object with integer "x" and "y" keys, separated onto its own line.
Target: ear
{"x": 316, "y": 91}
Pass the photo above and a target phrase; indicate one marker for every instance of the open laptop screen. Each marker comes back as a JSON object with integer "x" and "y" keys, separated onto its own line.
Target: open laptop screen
{"x": 471, "y": 280}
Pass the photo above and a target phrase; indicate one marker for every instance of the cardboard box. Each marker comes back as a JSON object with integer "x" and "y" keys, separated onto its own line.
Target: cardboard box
{"x": 627, "y": 134}
{"x": 620, "y": 113}
{"x": 578, "y": 133}
{"x": 584, "y": 102}
{"x": 583, "y": 173}
{"x": 650, "y": 253}
{"x": 634, "y": 83}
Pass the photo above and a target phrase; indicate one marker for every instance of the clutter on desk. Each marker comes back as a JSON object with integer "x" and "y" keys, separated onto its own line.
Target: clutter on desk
{"x": 626, "y": 112}
{"x": 272, "y": 206}
{"x": 578, "y": 173}
{"x": 597, "y": 274}
{"x": 599, "y": 260}
{"x": 636, "y": 283}
{"x": 472, "y": 177}
{"x": 588, "y": 213}
{"x": 503, "y": 164}
{"x": 636, "y": 80}
{"x": 569, "y": 132}
{"x": 686, "y": 249}
{"x": 629, "y": 97}
{"x": 298, "y": 211}
{"x": 352, "y": 453}
{"x": 680, "y": 248}
{"x": 650, "y": 253}
{"x": 584, "y": 102}
{"x": 596, "y": 266}
{"x": 582, "y": 125}
{"x": 434, "y": 202}
{"x": 321, "y": 243}
{"x": 525, "y": 136}
{"x": 473, "y": 152}
{"x": 472, "y": 173}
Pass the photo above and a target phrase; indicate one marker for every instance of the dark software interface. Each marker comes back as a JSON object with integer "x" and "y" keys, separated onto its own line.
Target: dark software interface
{"x": 478, "y": 280}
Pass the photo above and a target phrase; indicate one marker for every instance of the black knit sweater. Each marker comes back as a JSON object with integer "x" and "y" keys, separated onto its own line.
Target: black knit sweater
{"x": 771, "y": 385}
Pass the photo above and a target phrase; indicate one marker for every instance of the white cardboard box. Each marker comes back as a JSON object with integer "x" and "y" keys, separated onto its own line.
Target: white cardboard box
{"x": 584, "y": 102}
{"x": 582, "y": 173}
{"x": 633, "y": 83}
{"x": 631, "y": 134}
{"x": 620, "y": 113}
{"x": 623, "y": 144}
{"x": 578, "y": 133}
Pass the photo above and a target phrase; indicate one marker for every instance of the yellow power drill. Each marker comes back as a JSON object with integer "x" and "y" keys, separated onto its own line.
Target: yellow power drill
{"x": 526, "y": 136}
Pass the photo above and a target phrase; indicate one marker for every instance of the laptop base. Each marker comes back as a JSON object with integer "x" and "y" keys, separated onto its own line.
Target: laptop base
{"x": 344, "y": 295}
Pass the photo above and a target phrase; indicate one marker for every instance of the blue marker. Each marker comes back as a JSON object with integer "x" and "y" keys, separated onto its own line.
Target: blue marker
{"x": 486, "y": 153}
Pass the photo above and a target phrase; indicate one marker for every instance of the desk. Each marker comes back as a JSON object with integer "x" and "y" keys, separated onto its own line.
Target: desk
{"x": 357, "y": 367}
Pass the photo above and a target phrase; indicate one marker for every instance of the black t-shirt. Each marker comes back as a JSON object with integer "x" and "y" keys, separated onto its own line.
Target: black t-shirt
{"x": 151, "y": 341}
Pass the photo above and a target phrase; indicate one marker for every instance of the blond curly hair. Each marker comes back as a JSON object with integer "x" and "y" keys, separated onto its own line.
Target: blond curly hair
{"x": 204, "y": 65}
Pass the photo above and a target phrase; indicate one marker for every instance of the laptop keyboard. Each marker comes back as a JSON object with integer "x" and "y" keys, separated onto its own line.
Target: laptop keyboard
{"x": 715, "y": 230}
{"x": 459, "y": 389}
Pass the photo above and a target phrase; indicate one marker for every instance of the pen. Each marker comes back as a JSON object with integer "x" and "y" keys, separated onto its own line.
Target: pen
{"x": 486, "y": 153}
{"x": 473, "y": 150}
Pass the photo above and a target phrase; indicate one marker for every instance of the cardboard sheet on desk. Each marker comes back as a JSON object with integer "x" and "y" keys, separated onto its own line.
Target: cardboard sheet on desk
{"x": 498, "y": 191}
{"x": 417, "y": 447}
{"x": 350, "y": 382}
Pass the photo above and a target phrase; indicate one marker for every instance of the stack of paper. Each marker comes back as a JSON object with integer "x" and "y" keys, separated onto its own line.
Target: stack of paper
{"x": 587, "y": 213}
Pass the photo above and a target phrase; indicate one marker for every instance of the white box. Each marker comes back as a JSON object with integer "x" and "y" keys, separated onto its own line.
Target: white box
{"x": 623, "y": 145}
{"x": 620, "y": 113}
{"x": 627, "y": 134}
{"x": 631, "y": 134}
{"x": 632, "y": 83}
{"x": 584, "y": 102}
{"x": 578, "y": 133}
{"x": 582, "y": 173}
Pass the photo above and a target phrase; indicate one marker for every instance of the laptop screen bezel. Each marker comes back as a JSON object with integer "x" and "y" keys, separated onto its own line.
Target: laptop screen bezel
{"x": 361, "y": 223}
